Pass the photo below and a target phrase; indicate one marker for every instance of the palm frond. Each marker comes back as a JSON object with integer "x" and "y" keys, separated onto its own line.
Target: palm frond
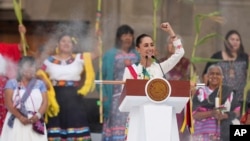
{"x": 204, "y": 39}
{"x": 18, "y": 10}
{"x": 202, "y": 60}
{"x": 197, "y": 23}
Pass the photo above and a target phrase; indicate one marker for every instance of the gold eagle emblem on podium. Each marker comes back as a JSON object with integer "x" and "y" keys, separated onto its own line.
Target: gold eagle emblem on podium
{"x": 158, "y": 89}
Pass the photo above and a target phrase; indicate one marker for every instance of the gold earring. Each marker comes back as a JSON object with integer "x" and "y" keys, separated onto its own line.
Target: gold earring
{"x": 74, "y": 40}
{"x": 57, "y": 50}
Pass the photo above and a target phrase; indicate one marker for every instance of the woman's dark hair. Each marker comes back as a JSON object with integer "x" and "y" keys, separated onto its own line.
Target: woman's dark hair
{"x": 228, "y": 46}
{"x": 66, "y": 33}
{"x": 139, "y": 38}
{"x": 72, "y": 37}
{"x": 123, "y": 29}
{"x": 29, "y": 60}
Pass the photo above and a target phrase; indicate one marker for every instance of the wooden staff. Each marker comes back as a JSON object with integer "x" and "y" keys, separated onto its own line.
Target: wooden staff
{"x": 18, "y": 12}
{"x": 123, "y": 82}
{"x": 218, "y": 99}
{"x": 98, "y": 34}
{"x": 113, "y": 82}
{"x": 156, "y": 5}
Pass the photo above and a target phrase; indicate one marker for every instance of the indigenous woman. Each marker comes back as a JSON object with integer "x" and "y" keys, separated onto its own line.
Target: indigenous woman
{"x": 68, "y": 119}
{"x": 215, "y": 107}
{"x": 114, "y": 62}
{"x": 26, "y": 101}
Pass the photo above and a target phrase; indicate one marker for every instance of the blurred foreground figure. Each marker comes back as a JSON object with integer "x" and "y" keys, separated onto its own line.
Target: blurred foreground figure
{"x": 26, "y": 100}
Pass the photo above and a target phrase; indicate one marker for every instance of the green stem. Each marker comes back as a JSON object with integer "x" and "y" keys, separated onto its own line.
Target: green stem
{"x": 156, "y": 4}
{"x": 195, "y": 45}
{"x": 154, "y": 25}
{"x": 23, "y": 44}
{"x": 192, "y": 73}
{"x": 246, "y": 89}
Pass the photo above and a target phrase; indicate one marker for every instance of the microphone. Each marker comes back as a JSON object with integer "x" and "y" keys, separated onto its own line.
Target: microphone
{"x": 158, "y": 62}
{"x": 146, "y": 57}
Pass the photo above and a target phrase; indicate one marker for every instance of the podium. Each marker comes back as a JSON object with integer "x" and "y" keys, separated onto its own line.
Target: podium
{"x": 149, "y": 121}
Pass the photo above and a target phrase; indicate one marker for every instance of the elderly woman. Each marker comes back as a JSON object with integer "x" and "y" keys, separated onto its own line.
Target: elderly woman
{"x": 215, "y": 107}
{"x": 26, "y": 101}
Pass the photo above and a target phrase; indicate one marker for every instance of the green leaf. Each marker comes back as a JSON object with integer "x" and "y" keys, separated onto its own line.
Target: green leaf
{"x": 201, "y": 60}
{"x": 18, "y": 12}
{"x": 212, "y": 14}
{"x": 98, "y": 103}
{"x": 200, "y": 17}
{"x": 156, "y": 4}
{"x": 197, "y": 23}
{"x": 246, "y": 90}
{"x": 194, "y": 77}
{"x": 204, "y": 39}
{"x": 215, "y": 13}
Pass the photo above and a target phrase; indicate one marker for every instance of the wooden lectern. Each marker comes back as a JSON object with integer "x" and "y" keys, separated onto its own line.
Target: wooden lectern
{"x": 149, "y": 121}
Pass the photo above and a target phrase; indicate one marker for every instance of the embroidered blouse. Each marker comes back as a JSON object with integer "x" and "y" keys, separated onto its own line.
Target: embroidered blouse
{"x": 69, "y": 70}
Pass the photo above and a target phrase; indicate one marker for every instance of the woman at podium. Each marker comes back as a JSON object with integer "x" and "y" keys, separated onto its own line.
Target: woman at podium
{"x": 149, "y": 66}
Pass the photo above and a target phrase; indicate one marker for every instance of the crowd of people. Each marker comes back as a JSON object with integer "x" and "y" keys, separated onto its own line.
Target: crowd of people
{"x": 52, "y": 96}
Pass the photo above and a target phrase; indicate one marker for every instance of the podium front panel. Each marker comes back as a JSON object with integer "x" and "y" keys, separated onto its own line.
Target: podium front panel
{"x": 134, "y": 87}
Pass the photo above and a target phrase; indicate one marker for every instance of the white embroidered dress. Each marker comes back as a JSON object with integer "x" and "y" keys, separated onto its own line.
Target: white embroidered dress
{"x": 21, "y": 132}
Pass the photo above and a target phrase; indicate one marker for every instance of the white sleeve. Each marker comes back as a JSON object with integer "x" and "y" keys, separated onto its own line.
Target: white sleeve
{"x": 168, "y": 64}
{"x": 79, "y": 57}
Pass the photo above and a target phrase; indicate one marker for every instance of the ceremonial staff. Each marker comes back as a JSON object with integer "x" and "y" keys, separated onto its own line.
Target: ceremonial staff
{"x": 156, "y": 4}
{"x": 100, "y": 45}
{"x": 18, "y": 12}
